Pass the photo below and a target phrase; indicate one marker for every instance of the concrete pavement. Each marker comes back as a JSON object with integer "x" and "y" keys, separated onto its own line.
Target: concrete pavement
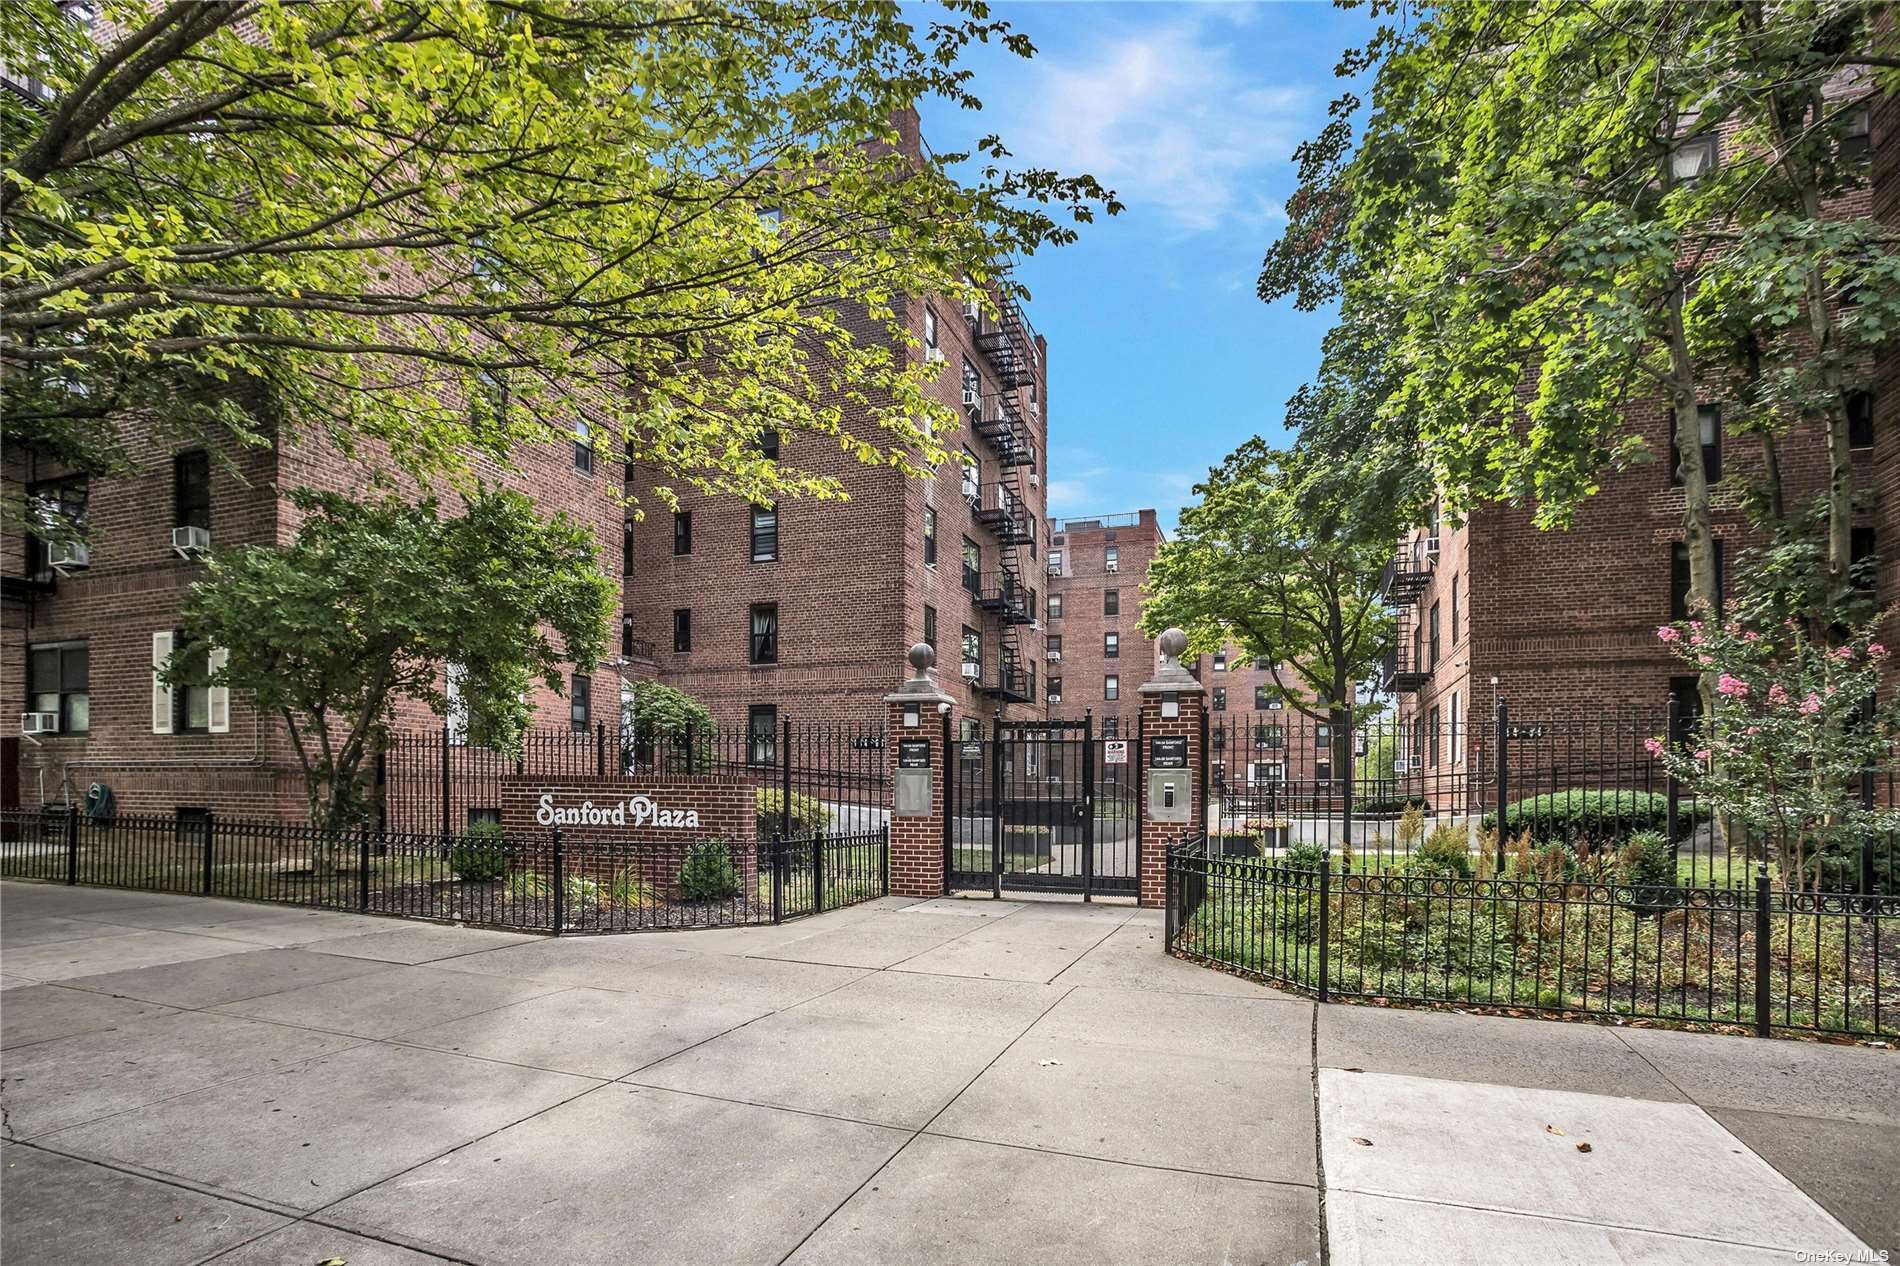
{"x": 186, "y": 1080}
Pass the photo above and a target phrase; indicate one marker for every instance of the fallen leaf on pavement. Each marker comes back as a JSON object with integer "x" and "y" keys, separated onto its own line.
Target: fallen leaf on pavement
{"x": 1583, "y": 1147}
{"x": 1362, "y": 1142}
{"x": 1551, "y": 1129}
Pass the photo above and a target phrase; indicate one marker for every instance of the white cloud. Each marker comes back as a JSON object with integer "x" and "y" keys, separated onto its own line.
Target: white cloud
{"x": 1164, "y": 116}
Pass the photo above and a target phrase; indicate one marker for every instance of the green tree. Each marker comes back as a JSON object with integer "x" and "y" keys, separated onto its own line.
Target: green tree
{"x": 1522, "y": 226}
{"x": 651, "y": 711}
{"x": 361, "y": 611}
{"x": 439, "y": 228}
{"x": 1281, "y": 558}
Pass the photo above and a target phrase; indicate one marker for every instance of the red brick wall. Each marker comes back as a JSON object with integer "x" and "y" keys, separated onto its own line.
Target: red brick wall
{"x": 916, "y": 847}
{"x": 1157, "y": 837}
{"x": 1083, "y": 584}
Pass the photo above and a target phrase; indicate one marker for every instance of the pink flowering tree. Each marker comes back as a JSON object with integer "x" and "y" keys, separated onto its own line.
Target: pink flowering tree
{"x": 1795, "y": 722}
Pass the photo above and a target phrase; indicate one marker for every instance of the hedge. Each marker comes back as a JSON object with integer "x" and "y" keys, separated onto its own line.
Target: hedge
{"x": 1599, "y": 817}
{"x": 809, "y": 817}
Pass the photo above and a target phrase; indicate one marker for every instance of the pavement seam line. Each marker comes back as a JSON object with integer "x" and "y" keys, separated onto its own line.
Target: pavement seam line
{"x": 1115, "y": 1160}
{"x": 1319, "y": 1144}
{"x": 919, "y": 1131}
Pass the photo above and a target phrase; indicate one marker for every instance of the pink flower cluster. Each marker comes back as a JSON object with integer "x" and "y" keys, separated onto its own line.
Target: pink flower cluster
{"x": 1777, "y": 693}
{"x": 1811, "y": 704}
{"x": 1876, "y": 651}
{"x": 1653, "y": 746}
{"x": 1668, "y": 633}
{"x": 1733, "y": 687}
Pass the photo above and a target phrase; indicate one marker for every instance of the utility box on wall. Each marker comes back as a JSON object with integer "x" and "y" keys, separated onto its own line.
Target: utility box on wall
{"x": 1170, "y": 785}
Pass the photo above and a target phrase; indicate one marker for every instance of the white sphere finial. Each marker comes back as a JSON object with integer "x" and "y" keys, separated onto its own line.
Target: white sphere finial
{"x": 1172, "y": 642}
{"x": 922, "y": 657}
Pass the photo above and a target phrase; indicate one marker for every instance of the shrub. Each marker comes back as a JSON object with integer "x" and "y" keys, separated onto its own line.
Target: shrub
{"x": 480, "y": 857}
{"x": 809, "y": 817}
{"x": 1380, "y": 806}
{"x": 1646, "y": 861}
{"x": 1601, "y": 818}
{"x": 1305, "y": 855}
{"x": 578, "y": 892}
{"x": 708, "y": 874}
{"x": 526, "y": 885}
{"x": 1445, "y": 853}
{"x": 628, "y": 889}
{"x": 1411, "y": 827}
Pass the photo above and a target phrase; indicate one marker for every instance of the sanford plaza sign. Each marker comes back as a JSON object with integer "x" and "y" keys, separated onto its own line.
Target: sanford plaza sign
{"x": 634, "y": 811}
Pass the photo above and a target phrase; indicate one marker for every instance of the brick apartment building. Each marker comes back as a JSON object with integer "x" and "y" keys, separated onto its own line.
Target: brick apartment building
{"x": 1096, "y": 653}
{"x": 800, "y": 612}
{"x": 1564, "y": 622}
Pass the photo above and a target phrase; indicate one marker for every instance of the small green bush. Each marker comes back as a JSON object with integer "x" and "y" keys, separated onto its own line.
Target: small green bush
{"x": 1445, "y": 853}
{"x": 708, "y": 874}
{"x": 1598, "y": 818}
{"x": 1305, "y": 855}
{"x": 1382, "y": 806}
{"x": 480, "y": 857}
{"x": 1645, "y": 860}
{"x": 809, "y": 817}
{"x": 628, "y": 889}
{"x": 526, "y": 885}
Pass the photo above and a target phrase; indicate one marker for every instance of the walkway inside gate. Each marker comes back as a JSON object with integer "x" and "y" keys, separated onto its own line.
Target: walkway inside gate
{"x": 1043, "y": 806}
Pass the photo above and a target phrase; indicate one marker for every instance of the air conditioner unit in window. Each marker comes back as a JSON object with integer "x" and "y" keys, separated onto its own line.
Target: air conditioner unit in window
{"x": 1402, "y": 765}
{"x": 189, "y": 542}
{"x": 1035, "y": 626}
{"x": 1112, "y": 567}
{"x": 934, "y": 356}
{"x": 1055, "y": 698}
{"x": 972, "y": 312}
{"x": 1035, "y": 480}
{"x": 39, "y": 723}
{"x": 66, "y": 556}
{"x": 970, "y": 399}
{"x": 971, "y": 670}
{"x": 1055, "y": 656}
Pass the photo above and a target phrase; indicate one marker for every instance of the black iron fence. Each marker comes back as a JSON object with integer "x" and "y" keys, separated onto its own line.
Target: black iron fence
{"x": 1747, "y": 954}
{"x": 536, "y": 883}
{"x": 1575, "y": 789}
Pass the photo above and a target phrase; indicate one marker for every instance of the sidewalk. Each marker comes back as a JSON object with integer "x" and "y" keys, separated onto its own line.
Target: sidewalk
{"x": 188, "y": 1080}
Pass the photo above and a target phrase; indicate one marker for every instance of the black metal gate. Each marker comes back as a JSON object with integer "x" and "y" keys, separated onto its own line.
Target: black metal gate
{"x": 1039, "y": 806}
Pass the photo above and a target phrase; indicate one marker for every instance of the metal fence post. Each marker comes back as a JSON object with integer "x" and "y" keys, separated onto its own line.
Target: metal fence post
{"x": 210, "y": 828}
{"x": 72, "y": 843}
{"x": 362, "y": 870}
{"x": 560, "y": 885}
{"x": 818, "y": 872}
{"x": 1761, "y": 949}
{"x": 1325, "y": 922}
{"x": 600, "y": 749}
{"x": 1672, "y": 789}
{"x": 1345, "y": 808}
{"x": 778, "y": 878}
{"x": 1503, "y": 743}
{"x": 445, "y": 777}
{"x": 1867, "y": 843}
{"x": 785, "y": 780}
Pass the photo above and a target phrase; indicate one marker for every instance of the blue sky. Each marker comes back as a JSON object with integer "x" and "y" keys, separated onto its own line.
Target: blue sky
{"x": 1162, "y": 360}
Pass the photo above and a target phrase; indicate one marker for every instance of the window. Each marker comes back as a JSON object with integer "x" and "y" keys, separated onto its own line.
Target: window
{"x": 583, "y": 448}
{"x": 1686, "y": 694}
{"x": 1055, "y": 646}
{"x": 768, "y": 444}
{"x": 1220, "y": 660}
{"x": 1260, "y": 663}
{"x": 1220, "y": 698}
{"x": 1111, "y": 558}
{"x": 1709, "y": 426}
{"x": 626, "y": 637}
{"x": 1323, "y": 771}
{"x": 764, "y": 645}
{"x": 1263, "y": 698}
{"x": 930, "y": 329}
{"x": 930, "y": 627}
{"x": 1322, "y": 736}
{"x": 761, "y": 728}
{"x": 1863, "y": 558}
{"x": 1217, "y": 739}
{"x": 580, "y": 702}
{"x": 1433, "y": 645}
{"x": 1055, "y": 562}
{"x": 1418, "y": 646}
{"x": 1268, "y": 736}
{"x": 1693, "y": 159}
{"x": 1111, "y": 646}
{"x": 972, "y": 383}
{"x": 626, "y": 548}
{"x": 1679, "y": 580}
{"x": 1055, "y": 606}
{"x": 1454, "y": 610}
{"x": 191, "y": 693}
{"x": 194, "y": 705}
{"x": 58, "y": 509}
{"x": 1451, "y": 732}
{"x": 930, "y": 536}
{"x": 682, "y": 531}
{"x": 191, "y": 490}
{"x": 1111, "y": 602}
{"x": 972, "y": 477}
{"x": 1055, "y": 690}
{"x": 972, "y": 647}
{"x": 1431, "y": 739}
{"x": 1857, "y": 142}
{"x": 972, "y": 565}
{"x": 1111, "y": 727}
{"x": 57, "y": 677}
{"x": 1860, "y": 419}
{"x": 1111, "y": 687}
{"x": 765, "y": 534}
{"x": 682, "y": 629}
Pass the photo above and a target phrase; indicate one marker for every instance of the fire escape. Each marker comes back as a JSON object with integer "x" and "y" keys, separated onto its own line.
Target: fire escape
{"x": 1400, "y": 584}
{"x": 1001, "y": 420}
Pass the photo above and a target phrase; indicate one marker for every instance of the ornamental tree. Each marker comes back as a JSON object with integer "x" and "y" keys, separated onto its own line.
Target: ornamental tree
{"x": 1796, "y": 721}
{"x": 452, "y": 226}
{"x": 360, "y": 612}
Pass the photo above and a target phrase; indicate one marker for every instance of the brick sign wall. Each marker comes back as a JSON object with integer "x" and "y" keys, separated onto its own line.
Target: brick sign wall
{"x": 610, "y": 825}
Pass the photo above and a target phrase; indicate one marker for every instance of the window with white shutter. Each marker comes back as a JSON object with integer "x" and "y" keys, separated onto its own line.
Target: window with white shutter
{"x": 161, "y": 693}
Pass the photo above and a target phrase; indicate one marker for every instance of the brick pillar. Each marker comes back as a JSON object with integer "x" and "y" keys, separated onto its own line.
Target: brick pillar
{"x": 1172, "y": 707}
{"x": 918, "y": 717}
